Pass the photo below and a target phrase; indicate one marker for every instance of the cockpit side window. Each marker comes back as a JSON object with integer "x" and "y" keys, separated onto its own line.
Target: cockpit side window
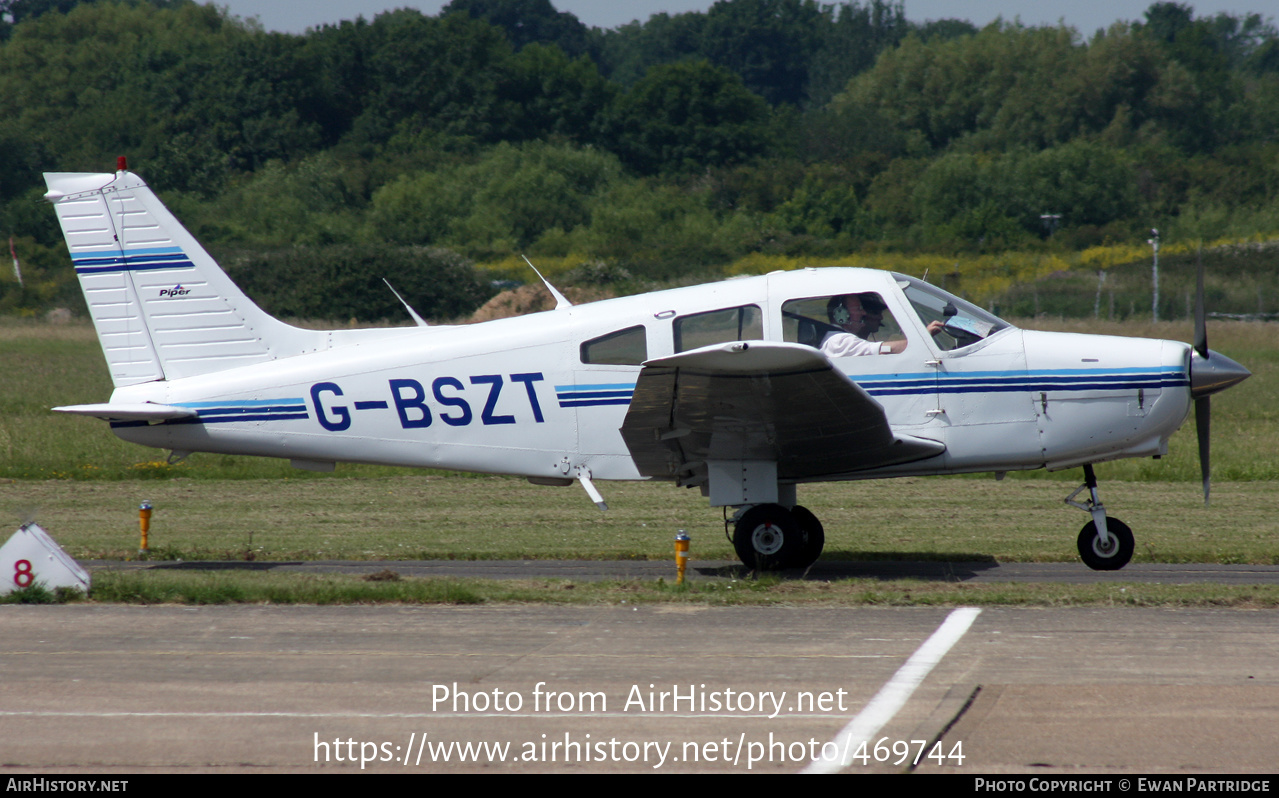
{"x": 744, "y": 323}
{"x": 843, "y": 325}
{"x": 627, "y": 347}
{"x": 963, "y": 323}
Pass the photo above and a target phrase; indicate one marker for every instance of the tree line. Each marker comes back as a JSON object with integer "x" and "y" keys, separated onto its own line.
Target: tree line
{"x": 672, "y": 145}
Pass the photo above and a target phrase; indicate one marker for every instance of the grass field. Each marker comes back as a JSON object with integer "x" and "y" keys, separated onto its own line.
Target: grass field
{"x": 450, "y": 517}
{"x": 84, "y": 485}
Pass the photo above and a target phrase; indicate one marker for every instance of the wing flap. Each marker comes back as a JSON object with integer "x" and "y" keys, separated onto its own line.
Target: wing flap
{"x": 760, "y": 401}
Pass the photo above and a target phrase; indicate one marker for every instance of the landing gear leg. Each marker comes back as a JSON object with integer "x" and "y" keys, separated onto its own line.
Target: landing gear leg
{"x": 1105, "y": 544}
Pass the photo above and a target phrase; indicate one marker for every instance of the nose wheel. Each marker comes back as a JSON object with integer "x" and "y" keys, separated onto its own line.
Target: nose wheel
{"x": 1105, "y": 544}
{"x": 1110, "y": 554}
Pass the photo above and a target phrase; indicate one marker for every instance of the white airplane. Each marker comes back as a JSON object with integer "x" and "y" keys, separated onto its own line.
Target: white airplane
{"x": 744, "y": 388}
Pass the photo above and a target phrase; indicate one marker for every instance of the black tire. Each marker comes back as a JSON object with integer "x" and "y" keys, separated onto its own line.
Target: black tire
{"x": 767, "y": 538}
{"x": 811, "y": 533}
{"x": 1112, "y": 559}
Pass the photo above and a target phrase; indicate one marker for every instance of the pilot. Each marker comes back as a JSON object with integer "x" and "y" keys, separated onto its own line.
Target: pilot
{"x": 860, "y": 316}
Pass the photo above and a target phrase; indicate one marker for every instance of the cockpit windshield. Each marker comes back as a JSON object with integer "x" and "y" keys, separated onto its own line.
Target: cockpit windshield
{"x": 963, "y": 323}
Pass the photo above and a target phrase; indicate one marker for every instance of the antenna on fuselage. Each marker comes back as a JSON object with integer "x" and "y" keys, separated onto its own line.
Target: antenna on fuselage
{"x": 561, "y": 301}
{"x": 416, "y": 318}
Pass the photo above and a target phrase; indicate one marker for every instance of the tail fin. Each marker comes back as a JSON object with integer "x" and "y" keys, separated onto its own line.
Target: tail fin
{"x": 162, "y": 306}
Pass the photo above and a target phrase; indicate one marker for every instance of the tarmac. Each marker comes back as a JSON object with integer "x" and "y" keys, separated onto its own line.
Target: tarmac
{"x": 823, "y": 570}
{"x": 1049, "y": 692}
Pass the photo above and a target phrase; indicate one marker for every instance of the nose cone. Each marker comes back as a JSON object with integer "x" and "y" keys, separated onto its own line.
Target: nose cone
{"x": 1214, "y": 373}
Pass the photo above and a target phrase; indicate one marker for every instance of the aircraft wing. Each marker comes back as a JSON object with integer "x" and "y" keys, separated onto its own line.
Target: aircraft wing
{"x": 758, "y": 400}
{"x": 140, "y": 411}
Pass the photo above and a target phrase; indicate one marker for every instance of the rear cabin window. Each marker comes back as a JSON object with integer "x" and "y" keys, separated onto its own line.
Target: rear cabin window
{"x": 744, "y": 323}
{"x": 627, "y": 347}
{"x": 805, "y": 321}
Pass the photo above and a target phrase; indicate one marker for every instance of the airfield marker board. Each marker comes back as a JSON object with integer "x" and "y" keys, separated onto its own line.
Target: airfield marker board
{"x": 31, "y": 557}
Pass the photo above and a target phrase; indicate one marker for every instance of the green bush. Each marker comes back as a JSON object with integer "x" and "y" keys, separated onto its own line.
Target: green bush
{"x": 345, "y": 282}
{"x": 502, "y": 203}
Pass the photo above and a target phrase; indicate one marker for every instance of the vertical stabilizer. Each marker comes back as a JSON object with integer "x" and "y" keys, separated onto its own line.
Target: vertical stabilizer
{"x": 162, "y": 306}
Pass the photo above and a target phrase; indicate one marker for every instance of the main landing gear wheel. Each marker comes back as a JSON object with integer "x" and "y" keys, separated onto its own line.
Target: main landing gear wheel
{"x": 1106, "y": 558}
{"x": 768, "y": 538}
{"x": 814, "y": 536}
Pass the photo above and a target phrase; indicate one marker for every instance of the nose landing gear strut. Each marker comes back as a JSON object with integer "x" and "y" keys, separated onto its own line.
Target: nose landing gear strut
{"x": 1105, "y": 544}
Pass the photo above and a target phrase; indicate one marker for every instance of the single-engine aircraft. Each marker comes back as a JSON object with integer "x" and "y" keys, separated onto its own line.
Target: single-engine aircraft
{"x": 744, "y": 388}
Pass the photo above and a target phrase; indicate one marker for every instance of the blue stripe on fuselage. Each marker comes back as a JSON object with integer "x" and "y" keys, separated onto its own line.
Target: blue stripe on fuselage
{"x": 244, "y": 410}
{"x": 612, "y": 393}
{"x": 1027, "y": 380}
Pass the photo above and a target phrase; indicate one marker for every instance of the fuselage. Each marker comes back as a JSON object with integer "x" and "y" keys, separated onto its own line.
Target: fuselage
{"x": 545, "y": 394}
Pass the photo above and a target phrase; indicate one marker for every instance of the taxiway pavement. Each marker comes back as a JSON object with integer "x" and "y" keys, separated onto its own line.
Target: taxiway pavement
{"x": 135, "y": 689}
{"x": 823, "y": 570}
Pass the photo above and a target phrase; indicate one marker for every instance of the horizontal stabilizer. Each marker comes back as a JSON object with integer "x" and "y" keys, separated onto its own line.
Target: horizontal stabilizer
{"x": 140, "y": 411}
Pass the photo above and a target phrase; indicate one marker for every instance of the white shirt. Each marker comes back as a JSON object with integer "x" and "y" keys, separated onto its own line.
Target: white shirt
{"x": 845, "y": 344}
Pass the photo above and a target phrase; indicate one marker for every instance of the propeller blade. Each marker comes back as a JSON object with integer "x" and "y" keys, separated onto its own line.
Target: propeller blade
{"x": 1201, "y": 323}
{"x": 1203, "y": 423}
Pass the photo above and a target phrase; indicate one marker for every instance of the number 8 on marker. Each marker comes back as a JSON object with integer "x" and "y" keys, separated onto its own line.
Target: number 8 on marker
{"x": 22, "y": 576}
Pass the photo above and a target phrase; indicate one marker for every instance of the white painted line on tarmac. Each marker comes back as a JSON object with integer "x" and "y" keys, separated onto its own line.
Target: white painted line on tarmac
{"x": 407, "y": 715}
{"x": 894, "y": 695}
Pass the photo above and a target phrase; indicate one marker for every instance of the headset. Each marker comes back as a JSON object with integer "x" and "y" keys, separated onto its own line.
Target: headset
{"x": 837, "y": 307}
{"x": 837, "y": 311}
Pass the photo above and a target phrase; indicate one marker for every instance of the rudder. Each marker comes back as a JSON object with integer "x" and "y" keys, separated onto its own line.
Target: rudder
{"x": 161, "y": 305}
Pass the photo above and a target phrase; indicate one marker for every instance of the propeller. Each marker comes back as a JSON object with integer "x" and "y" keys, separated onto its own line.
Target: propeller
{"x": 1209, "y": 372}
